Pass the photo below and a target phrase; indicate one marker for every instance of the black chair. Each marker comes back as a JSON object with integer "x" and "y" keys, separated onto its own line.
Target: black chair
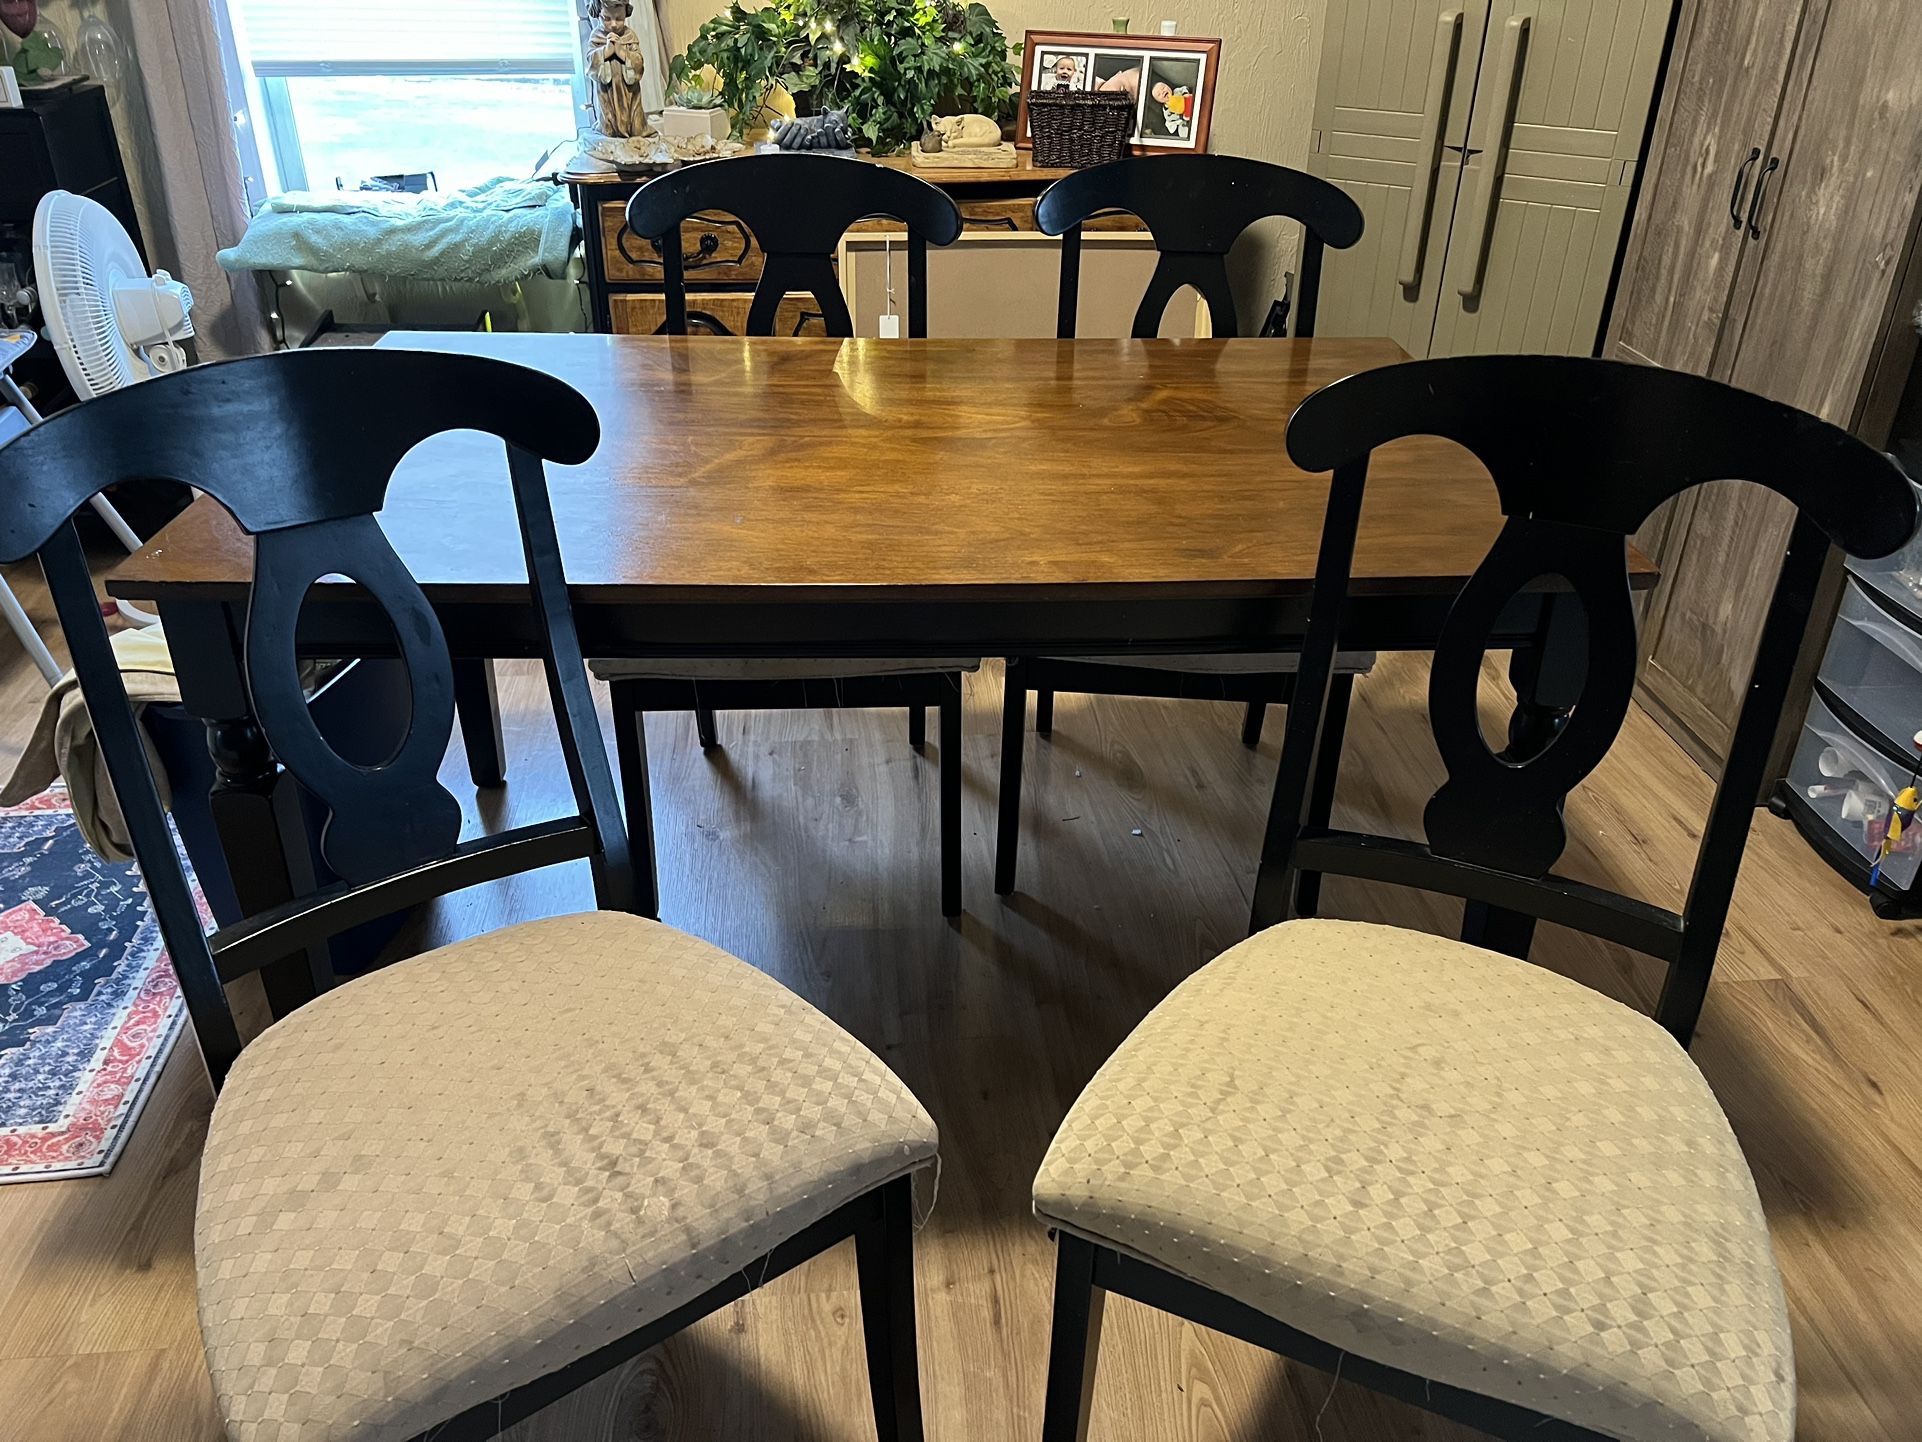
{"x": 441, "y": 1196}
{"x": 1196, "y": 206}
{"x": 1422, "y": 1163}
{"x": 798, "y": 208}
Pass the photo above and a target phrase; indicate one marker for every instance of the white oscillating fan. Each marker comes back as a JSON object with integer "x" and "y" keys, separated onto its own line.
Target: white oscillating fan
{"x": 110, "y": 322}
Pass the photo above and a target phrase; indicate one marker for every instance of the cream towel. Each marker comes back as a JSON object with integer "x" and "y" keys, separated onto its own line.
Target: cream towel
{"x": 64, "y": 743}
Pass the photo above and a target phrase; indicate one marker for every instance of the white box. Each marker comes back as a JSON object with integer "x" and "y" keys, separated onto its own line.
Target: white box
{"x": 678, "y": 122}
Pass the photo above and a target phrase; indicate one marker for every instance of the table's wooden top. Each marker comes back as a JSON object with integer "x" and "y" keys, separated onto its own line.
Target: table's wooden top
{"x": 855, "y": 470}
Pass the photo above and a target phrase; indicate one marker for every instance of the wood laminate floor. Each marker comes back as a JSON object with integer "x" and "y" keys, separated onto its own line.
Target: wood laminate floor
{"x": 807, "y": 846}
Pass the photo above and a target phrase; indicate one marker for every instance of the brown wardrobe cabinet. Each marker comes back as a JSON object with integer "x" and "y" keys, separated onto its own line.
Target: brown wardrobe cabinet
{"x": 1771, "y": 248}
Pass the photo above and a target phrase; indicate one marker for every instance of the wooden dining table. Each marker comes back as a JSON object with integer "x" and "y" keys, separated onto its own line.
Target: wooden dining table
{"x": 806, "y": 498}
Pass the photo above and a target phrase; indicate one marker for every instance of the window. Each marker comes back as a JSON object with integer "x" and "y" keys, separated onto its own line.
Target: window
{"x": 348, "y": 89}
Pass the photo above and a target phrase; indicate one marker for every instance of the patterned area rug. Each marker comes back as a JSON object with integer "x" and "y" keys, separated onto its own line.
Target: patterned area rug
{"x": 89, "y": 1007}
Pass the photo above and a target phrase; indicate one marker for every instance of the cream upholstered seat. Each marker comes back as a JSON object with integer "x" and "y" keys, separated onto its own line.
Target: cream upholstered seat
{"x": 1446, "y": 1161}
{"x": 456, "y": 1175}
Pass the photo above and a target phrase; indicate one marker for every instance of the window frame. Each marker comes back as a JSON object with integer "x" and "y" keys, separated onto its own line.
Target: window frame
{"x": 268, "y": 132}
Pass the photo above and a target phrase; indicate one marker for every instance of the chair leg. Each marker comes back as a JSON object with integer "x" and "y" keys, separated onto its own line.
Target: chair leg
{"x": 1251, "y": 724}
{"x": 477, "y": 701}
{"x": 1510, "y": 932}
{"x": 1321, "y": 797}
{"x": 950, "y": 801}
{"x": 1044, "y": 713}
{"x": 1075, "y": 1349}
{"x": 918, "y": 727}
{"x": 1007, "y": 830}
{"x": 704, "y": 725}
{"x": 630, "y": 750}
{"x": 884, "y": 1258}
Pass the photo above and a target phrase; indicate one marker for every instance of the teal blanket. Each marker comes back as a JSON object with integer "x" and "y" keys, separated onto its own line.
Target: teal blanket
{"x": 491, "y": 234}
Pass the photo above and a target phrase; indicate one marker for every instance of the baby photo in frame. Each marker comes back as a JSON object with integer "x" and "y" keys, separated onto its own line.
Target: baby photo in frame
{"x": 1062, "y": 69}
{"x": 1170, "y": 79}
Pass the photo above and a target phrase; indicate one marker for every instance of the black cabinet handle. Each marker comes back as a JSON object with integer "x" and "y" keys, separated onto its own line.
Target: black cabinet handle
{"x": 1741, "y": 183}
{"x": 1761, "y": 190}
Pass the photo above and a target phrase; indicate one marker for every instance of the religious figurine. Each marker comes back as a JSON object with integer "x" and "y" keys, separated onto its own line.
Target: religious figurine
{"x": 829, "y": 131}
{"x": 967, "y": 132}
{"x": 614, "y": 69}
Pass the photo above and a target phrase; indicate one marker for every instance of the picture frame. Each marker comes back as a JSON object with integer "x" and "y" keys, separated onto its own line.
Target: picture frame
{"x": 1171, "y": 77}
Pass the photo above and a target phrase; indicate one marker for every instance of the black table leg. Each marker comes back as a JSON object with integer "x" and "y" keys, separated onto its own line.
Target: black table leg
{"x": 1007, "y": 820}
{"x": 1252, "y": 722}
{"x": 1548, "y": 676}
{"x": 477, "y": 700}
{"x": 950, "y": 717}
{"x": 255, "y": 804}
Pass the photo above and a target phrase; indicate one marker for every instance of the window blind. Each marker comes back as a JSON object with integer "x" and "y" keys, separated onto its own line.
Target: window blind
{"x": 301, "y": 36}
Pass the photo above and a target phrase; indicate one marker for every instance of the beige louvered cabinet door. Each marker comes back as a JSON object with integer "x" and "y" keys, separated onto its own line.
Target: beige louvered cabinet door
{"x": 1560, "y": 112}
{"x": 1391, "y": 111}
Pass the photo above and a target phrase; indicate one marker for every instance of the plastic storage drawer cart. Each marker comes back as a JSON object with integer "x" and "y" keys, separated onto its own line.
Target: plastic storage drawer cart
{"x": 1857, "y": 747}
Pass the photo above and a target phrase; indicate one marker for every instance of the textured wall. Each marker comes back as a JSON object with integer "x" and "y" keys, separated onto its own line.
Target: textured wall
{"x": 1264, "y": 108}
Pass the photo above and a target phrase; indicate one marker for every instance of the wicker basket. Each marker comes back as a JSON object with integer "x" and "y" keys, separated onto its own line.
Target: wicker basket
{"x": 1079, "y": 127}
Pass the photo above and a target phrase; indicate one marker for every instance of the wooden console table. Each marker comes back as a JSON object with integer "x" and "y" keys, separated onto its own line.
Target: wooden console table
{"x": 723, "y": 263}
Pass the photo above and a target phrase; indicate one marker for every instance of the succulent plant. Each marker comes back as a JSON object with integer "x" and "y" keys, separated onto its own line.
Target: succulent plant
{"x": 696, "y": 97}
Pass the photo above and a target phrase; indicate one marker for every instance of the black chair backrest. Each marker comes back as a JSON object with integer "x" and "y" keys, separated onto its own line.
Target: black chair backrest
{"x": 798, "y": 207}
{"x": 300, "y": 447}
{"x": 1196, "y": 207}
{"x": 1582, "y": 452}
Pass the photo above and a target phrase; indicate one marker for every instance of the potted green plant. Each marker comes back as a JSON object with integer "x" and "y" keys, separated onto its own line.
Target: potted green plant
{"x": 695, "y": 112}
{"x": 891, "y": 64}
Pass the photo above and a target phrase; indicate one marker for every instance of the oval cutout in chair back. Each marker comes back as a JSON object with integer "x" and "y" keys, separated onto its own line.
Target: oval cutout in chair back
{"x": 1493, "y": 810}
{"x": 387, "y": 818}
